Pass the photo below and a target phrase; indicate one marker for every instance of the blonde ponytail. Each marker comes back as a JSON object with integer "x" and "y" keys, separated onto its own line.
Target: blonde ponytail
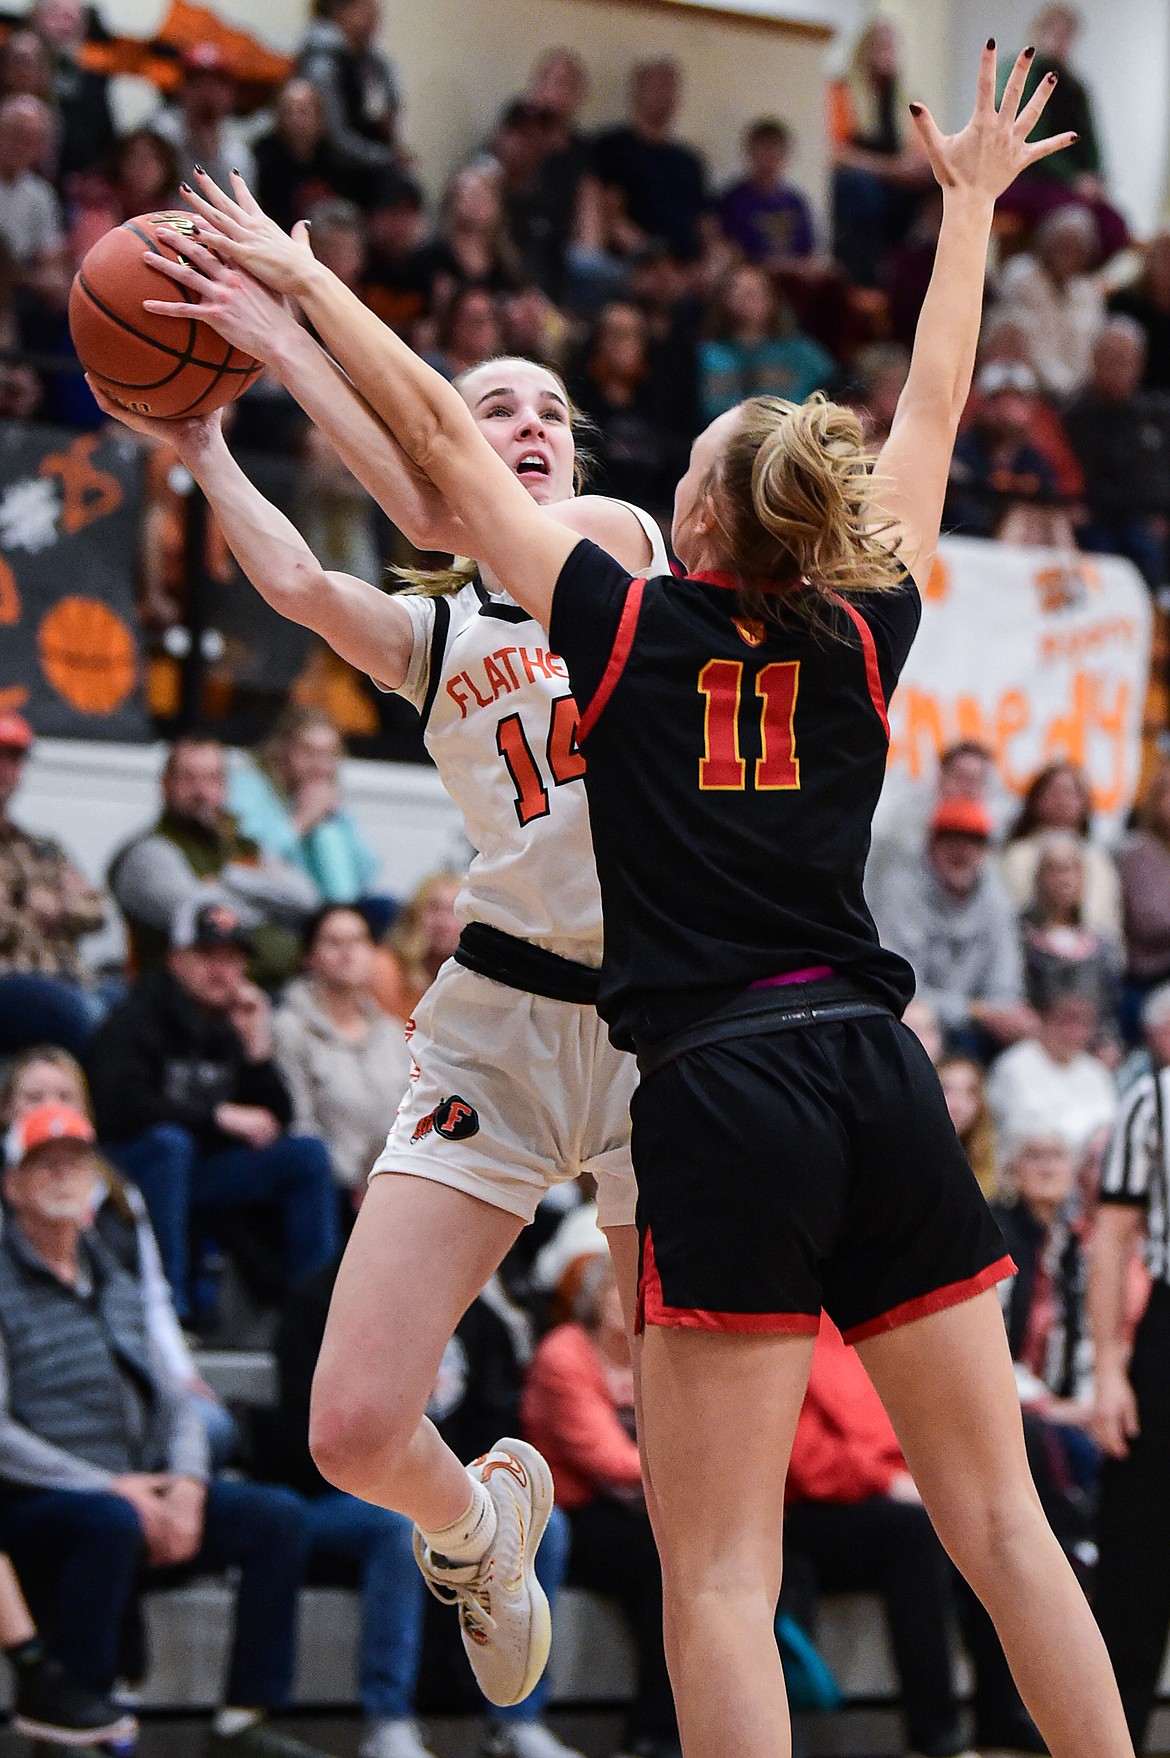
{"x": 795, "y": 490}
{"x": 437, "y": 582}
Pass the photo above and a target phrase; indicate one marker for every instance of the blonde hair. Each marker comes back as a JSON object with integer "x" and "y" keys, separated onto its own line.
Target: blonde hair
{"x": 446, "y": 582}
{"x": 291, "y": 722}
{"x": 794, "y": 493}
{"x": 56, "y": 1057}
{"x": 407, "y": 938}
{"x": 978, "y": 1139}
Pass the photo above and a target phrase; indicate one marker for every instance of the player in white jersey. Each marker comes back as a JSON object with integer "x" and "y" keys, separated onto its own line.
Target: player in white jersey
{"x": 516, "y": 1084}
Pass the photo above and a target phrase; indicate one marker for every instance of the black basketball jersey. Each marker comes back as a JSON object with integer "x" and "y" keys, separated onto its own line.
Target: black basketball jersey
{"x": 733, "y": 770}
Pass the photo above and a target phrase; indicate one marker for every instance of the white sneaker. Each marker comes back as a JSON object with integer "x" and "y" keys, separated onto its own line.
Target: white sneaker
{"x": 397, "y": 1738}
{"x": 503, "y": 1612}
{"x": 526, "y": 1739}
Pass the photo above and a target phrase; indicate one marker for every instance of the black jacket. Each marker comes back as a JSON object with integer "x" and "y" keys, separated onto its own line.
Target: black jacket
{"x": 162, "y": 1058}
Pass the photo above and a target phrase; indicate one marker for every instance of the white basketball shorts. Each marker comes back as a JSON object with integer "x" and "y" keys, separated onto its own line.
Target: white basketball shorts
{"x": 511, "y": 1093}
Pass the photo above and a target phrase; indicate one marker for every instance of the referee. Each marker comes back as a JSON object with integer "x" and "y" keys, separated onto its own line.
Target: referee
{"x": 1131, "y": 1418}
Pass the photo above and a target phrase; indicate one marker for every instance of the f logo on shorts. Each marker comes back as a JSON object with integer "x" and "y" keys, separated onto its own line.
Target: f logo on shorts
{"x": 454, "y": 1119}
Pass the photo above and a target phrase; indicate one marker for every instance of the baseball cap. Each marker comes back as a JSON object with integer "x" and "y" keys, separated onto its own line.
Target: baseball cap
{"x": 961, "y": 818}
{"x": 15, "y": 732}
{"x": 206, "y": 923}
{"x": 1007, "y": 375}
{"x": 45, "y": 1123}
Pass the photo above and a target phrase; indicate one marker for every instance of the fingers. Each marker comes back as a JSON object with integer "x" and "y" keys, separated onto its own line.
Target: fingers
{"x": 985, "y": 89}
{"x": 1013, "y": 91}
{"x": 218, "y": 198}
{"x": 219, "y": 219}
{"x": 244, "y": 195}
{"x": 1056, "y": 143}
{"x": 1034, "y": 108}
{"x": 932, "y": 140}
{"x": 180, "y": 272}
{"x": 196, "y": 255}
{"x": 300, "y": 234}
{"x": 175, "y": 308}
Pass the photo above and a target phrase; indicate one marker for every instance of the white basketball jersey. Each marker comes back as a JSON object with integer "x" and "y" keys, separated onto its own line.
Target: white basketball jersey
{"x": 500, "y": 722}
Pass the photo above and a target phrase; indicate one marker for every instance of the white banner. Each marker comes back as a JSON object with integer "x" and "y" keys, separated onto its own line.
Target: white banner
{"x": 1038, "y": 654}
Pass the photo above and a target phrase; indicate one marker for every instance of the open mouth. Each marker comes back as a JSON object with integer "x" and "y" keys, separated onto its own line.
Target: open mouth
{"x": 531, "y": 464}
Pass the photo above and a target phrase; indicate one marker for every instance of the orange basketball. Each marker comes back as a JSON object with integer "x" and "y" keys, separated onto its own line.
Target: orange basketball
{"x": 88, "y": 655}
{"x": 167, "y": 366}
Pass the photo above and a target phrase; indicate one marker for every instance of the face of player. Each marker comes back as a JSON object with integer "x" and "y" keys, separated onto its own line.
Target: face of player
{"x": 523, "y": 414}
{"x": 44, "y": 1083}
{"x": 694, "y": 513}
{"x": 343, "y": 953}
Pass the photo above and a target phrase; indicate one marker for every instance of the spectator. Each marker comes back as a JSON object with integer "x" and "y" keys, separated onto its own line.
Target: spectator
{"x": 141, "y": 177}
{"x": 1121, "y": 434}
{"x": 520, "y": 148}
{"x": 920, "y": 1018}
{"x": 49, "y": 1706}
{"x": 853, "y": 1521}
{"x": 192, "y": 1107}
{"x": 424, "y": 936}
{"x": 397, "y": 281}
{"x": 1147, "y": 301}
{"x": 46, "y": 907}
{"x": 946, "y": 912}
{"x": 85, "y": 127}
{"x": 1003, "y": 342}
{"x": 30, "y": 214}
{"x": 1144, "y": 869}
{"x": 47, "y": 1075}
{"x": 345, "y": 1061}
{"x": 201, "y": 125}
{"x": 661, "y": 287}
{"x": 1057, "y": 943}
{"x": 994, "y": 465}
{"x": 534, "y": 328}
{"x": 20, "y": 388}
{"x": 638, "y": 455}
{"x": 288, "y": 802}
{"x": 296, "y": 167}
{"x": 104, "y": 1460}
{"x": 964, "y": 1088}
{"x": 1058, "y": 798}
{"x": 656, "y": 186}
{"x": 196, "y": 843}
{"x": 1056, "y": 301}
{"x": 876, "y": 383}
{"x": 1049, "y": 1084}
{"x": 470, "y": 331}
{"x": 26, "y": 70}
{"x": 472, "y": 247}
{"x": 357, "y": 85}
{"x": 578, "y": 1408}
{"x": 1044, "y": 1303}
{"x": 763, "y": 214}
{"x": 965, "y": 771}
{"x": 476, "y": 1394}
{"x": 558, "y": 86}
{"x": 880, "y": 174}
{"x": 754, "y": 348}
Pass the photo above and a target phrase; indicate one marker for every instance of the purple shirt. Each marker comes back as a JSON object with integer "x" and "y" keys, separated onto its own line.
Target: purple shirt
{"x": 775, "y": 222}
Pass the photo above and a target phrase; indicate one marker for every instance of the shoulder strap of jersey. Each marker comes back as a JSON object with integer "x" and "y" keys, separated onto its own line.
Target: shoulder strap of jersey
{"x": 659, "y": 563}
{"x": 439, "y": 633}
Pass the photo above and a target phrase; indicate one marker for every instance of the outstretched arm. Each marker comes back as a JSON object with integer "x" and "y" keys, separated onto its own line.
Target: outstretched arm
{"x": 367, "y": 627}
{"x": 502, "y": 527}
{"x": 974, "y": 168}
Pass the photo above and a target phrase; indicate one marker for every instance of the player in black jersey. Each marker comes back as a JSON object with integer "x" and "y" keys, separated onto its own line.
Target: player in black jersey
{"x": 790, "y": 1138}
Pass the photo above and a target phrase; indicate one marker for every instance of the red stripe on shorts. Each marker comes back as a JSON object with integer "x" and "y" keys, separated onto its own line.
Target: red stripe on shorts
{"x": 653, "y": 1310}
{"x": 952, "y": 1295}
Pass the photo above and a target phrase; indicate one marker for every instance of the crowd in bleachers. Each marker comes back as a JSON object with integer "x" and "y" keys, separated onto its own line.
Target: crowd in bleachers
{"x": 200, "y": 1123}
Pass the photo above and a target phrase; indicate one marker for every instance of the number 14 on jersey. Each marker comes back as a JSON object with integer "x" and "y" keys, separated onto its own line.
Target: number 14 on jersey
{"x": 722, "y": 768}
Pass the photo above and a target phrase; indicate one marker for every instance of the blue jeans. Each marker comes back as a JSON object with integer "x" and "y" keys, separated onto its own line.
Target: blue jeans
{"x": 36, "y": 1009}
{"x": 80, "y": 1554}
{"x": 393, "y": 1596}
{"x": 175, "y": 1177}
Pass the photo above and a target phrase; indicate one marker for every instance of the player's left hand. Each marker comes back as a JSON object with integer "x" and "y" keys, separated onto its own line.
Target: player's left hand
{"x": 243, "y": 233}
{"x": 987, "y": 156}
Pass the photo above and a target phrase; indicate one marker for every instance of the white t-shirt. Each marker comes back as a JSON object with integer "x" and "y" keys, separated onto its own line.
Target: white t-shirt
{"x": 1030, "y": 1094}
{"x": 500, "y": 722}
{"x": 30, "y": 218}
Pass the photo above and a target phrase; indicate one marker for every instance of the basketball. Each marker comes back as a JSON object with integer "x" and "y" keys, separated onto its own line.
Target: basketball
{"x": 161, "y": 366}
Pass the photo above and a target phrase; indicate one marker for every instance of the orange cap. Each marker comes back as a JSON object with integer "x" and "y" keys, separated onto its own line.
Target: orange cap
{"x": 15, "y": 732}
{"x": 961, "y": 817}
{"x": 45, "y": 1123}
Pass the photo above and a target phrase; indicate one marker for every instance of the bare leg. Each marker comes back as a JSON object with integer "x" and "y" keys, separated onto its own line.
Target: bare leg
{"x": 16, "y": 1623}
{"x": 947, "y": 1383}
{"x": 418, "y": 1256}
{"x": 719, "y": 1414}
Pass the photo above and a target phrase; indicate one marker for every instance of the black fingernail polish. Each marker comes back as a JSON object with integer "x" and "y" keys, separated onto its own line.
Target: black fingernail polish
{"x": 184, "y": 189}
{"x": 201, "y": 171}
{"x": 915, "y": 109}
{"x": 991, "y": 42}
{"x": 1052, "y": 79}
{"x": 235, "y": 173}
{"x": 1029, "y": 51}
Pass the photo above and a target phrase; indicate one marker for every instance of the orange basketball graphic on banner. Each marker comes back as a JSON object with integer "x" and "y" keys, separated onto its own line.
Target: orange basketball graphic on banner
{"x": 88, "y": 655}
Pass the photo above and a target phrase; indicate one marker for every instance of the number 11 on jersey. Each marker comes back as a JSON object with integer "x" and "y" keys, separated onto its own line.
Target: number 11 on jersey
{"x": 722, "y": 768}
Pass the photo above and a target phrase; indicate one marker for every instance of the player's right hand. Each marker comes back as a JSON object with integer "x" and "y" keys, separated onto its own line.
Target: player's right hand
{"x": 233, "y": 303}
{"x": 1114, "y": 1422}
{"x": 191, "y": 431}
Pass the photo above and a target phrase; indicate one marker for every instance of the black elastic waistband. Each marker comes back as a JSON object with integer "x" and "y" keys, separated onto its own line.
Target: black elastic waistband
{"x": 753, "y": 1012}
{"x": 521, "y": 965}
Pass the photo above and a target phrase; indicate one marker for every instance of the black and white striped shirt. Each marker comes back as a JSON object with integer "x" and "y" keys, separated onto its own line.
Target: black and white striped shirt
{"x": 1136, "y": 1168}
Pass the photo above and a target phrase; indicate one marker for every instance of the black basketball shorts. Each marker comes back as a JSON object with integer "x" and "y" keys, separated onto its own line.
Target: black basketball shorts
{"x": 800, "y": 1169}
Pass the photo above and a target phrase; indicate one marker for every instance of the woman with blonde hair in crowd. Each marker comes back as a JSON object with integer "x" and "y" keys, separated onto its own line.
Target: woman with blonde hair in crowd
{"x": 423, "y": 936}
{"x": 1057, "y": 941}
{"x": 1144, "y": 868}
{"x": 880, "y": 173}
{"x": 1058, "y": 798}
{"x": 965, "y": 1091}
{"x": 288, "y": 800}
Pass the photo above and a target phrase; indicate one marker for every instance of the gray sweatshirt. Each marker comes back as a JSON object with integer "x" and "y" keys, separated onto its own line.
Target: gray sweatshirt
{"x": 961, "y": 950}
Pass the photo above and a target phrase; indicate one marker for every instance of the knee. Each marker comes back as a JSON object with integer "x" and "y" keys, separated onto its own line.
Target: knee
{"x": 275, "y": 1519}
{"x": 358, "y": 1442}
{"x": 992, "y": 1541}
{"x": 112, "y": 1522}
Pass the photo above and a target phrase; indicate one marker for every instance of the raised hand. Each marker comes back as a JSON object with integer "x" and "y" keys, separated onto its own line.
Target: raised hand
{"x": 243, "y": 233}
{"x": 988, "y": 155}
{"x": 186, "y": 434}
{"x": 236, "y": 306}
